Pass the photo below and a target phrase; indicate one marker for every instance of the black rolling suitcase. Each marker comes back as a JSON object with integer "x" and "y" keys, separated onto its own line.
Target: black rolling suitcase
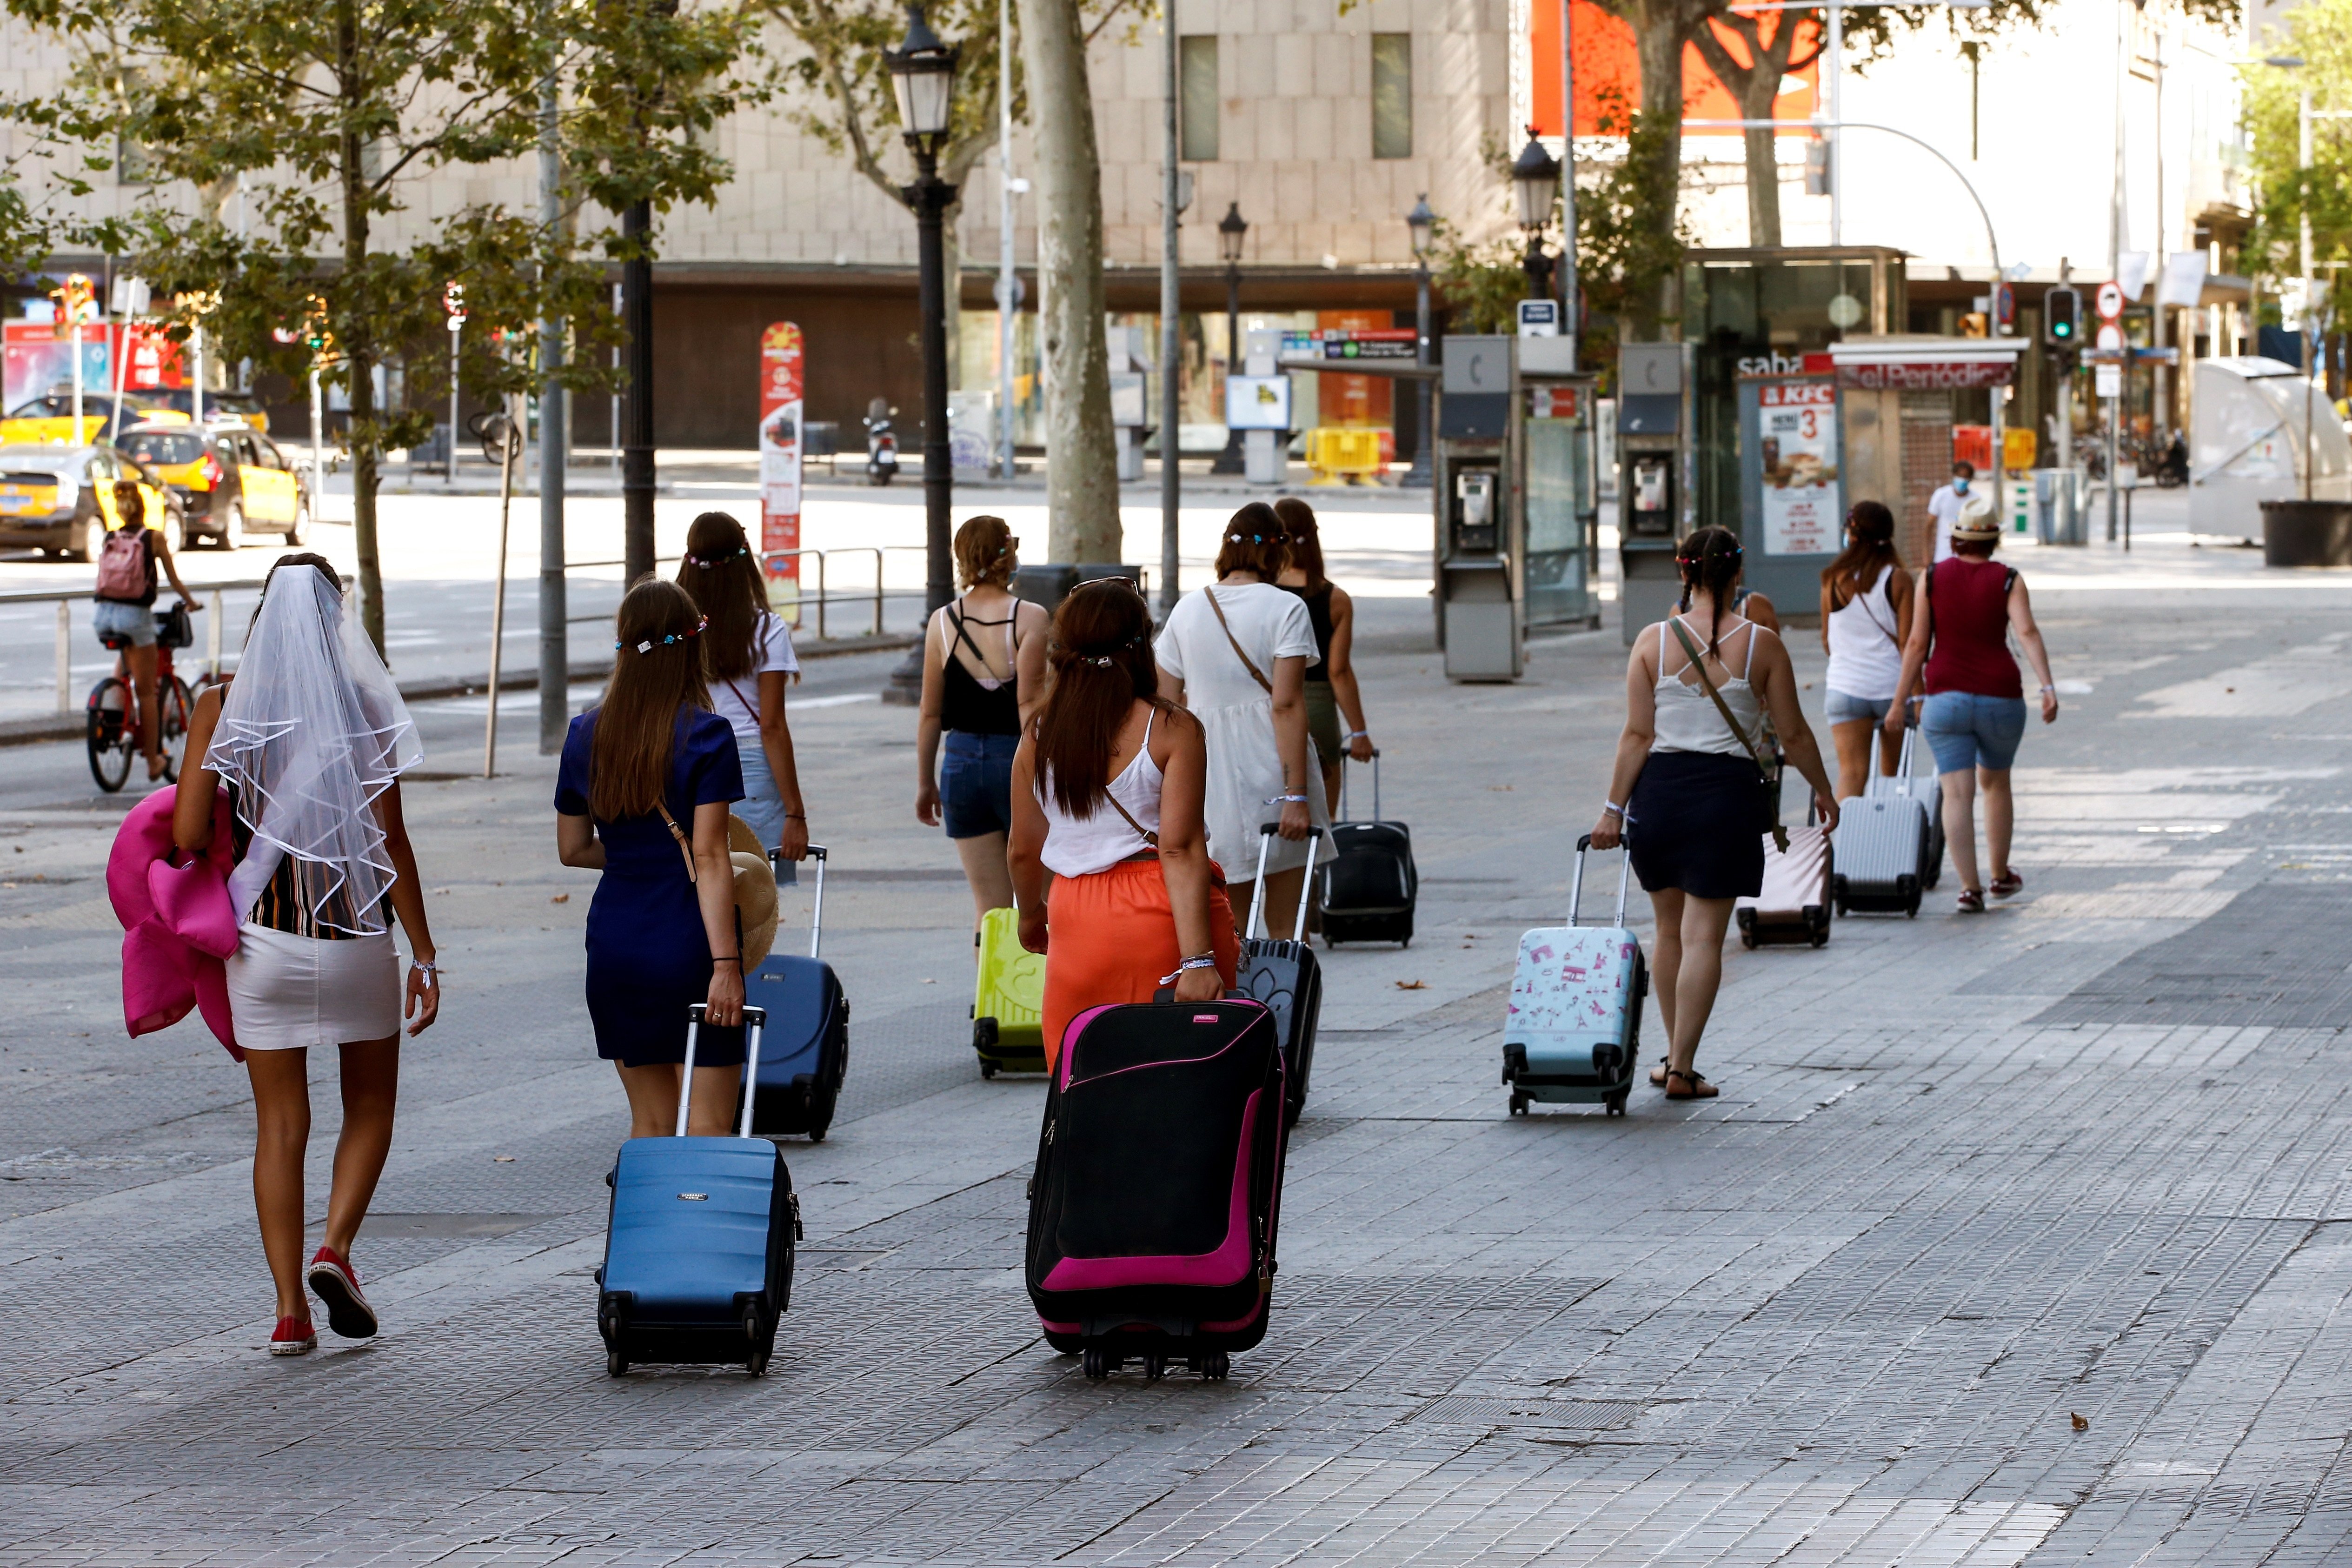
{"x": 1283, "y": 975}
{"x": 1366, "y": 891}
{"x": 1158, "y": 1192}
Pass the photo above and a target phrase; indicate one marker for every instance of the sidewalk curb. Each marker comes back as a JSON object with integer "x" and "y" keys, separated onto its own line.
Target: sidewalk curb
{"x": 69, "y": 726}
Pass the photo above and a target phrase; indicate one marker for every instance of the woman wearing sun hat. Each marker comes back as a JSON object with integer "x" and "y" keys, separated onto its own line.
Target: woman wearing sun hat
{"x": 1975, "y": 713}
{"x": 642, "y": 795}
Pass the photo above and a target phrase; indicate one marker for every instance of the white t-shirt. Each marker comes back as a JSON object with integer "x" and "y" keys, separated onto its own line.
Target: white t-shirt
{"x": 1944, "y": 506}
{"x": 737, "y": 700}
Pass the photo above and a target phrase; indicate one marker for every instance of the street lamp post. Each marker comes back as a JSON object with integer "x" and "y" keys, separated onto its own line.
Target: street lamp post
{"x": 1535, "y": 180}
{"x": 1422, "y": 225}
{"x": 1232, "y": 230}
{"x": 922, "y": 75}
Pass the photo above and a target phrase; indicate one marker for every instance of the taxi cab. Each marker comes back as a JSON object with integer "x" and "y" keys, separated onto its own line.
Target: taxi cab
{"x": 231, "y": 481}
{"x": 62, "y": 499}
{"x": 49, "y": 419}
{"x": 170, "y": 401}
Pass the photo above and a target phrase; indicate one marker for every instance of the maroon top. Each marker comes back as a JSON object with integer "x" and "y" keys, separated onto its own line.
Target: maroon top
{"x": 1971, "y": 651}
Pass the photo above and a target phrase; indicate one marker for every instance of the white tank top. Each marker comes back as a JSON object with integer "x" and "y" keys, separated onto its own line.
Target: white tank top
{"x": 1079, "y": 846}
{"x": 1864, "y": 658}
{"x": 1687, "y": 719}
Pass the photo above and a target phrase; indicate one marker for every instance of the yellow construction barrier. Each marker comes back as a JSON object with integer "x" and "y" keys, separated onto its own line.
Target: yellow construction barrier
{"x": 1337, "y": 455}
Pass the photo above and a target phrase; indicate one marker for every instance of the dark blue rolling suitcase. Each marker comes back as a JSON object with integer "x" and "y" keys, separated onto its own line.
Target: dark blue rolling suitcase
{"x": 699, "y": 1249}
{"x": 800, "y": 1074}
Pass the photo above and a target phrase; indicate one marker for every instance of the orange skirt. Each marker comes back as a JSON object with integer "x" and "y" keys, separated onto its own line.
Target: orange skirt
{"x": 1112, "y": 938}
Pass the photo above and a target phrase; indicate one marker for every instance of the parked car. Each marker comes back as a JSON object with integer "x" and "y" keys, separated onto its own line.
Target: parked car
{"x": 231, "y": 481}
{"x": 179, "y": 400}
{"x": 62, "y": 499}
{"x": 49, "y": 419}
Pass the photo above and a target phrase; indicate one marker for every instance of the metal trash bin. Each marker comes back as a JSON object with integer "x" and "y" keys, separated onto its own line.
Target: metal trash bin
{"x": 2059, "y": 517}
{"x": 2307, "y": 533}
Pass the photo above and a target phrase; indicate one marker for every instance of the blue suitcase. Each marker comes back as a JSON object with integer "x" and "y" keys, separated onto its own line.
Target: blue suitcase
{"x": 799, "y": 1076}
{"x": 698, "y": 1248}
{"x": 1574, "y": 1030}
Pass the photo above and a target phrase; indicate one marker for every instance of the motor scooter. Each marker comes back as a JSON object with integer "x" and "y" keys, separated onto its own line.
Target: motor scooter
{"x": 881, "y": 445}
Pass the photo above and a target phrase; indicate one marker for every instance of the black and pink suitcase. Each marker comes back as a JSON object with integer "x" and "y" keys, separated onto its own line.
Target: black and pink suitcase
{"x": 1154, "y": 1208}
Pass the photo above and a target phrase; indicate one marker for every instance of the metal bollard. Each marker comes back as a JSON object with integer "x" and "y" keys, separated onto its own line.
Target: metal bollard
{"x": 213, "y": 634}
{"x": 65, "y": 656}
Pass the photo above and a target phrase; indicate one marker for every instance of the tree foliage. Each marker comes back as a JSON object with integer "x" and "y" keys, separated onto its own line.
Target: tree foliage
{"x": 2320, "y": 34}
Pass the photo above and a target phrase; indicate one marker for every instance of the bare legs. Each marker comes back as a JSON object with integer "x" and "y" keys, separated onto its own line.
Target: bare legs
{"x": 281, "y": 1104}
{"x": 1960, "y": 821}
{"x": 143, "y": 692}
{"x": 985, "y": 868}
{"x": 1687, "y": 968}
{"x": 653, "y": 1100}
{"x": 1283, "y": 889}
{"x": 1852, "y": 740}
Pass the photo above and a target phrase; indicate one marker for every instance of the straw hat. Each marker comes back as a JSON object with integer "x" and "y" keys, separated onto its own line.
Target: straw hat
{"x": 755, "y": 891}
{"x": 1978, "y": 519}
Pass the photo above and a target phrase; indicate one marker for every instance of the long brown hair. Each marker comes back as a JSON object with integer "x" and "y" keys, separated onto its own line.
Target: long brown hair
{"x": 657, "y": 671}
{"x": 1100, "y": 649}
{"x": 1298, "y": 530}
{"x": 1872, "y": 547}
{"x": 1709, "y": 559}
{"x": 1254, "y": 542}
{"x": 721, "y": 574}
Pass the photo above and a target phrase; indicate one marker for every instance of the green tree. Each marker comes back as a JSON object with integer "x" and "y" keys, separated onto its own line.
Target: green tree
{"x": 2286, "y": 195}
{"x": 334, "y": 113}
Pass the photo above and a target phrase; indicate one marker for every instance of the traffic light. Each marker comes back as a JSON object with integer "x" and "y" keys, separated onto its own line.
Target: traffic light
{"x": 2062, "y": 311}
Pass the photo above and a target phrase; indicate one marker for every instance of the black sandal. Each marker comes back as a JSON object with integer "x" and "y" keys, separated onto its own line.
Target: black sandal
{"x": 1658, "y": 1074}
{"x": 1699, "y": 1088}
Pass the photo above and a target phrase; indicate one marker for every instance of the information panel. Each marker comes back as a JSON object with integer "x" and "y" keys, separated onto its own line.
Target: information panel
{"x": 781, "y": 409}
{"x": 1796, "y": 463}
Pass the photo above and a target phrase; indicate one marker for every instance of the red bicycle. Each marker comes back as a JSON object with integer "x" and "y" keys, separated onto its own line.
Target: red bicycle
{"x": 111, "y": 723}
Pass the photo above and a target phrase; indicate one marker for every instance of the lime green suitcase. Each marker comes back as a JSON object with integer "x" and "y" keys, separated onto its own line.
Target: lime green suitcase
{"x": 1008, "y": 1009}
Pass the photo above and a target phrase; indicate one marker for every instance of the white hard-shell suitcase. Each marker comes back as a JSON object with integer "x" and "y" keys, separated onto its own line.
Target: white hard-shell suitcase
{"x": 1574, "y": 1034}
{"x": 1880, "y": 841}
{"x": 1925, "y": 788}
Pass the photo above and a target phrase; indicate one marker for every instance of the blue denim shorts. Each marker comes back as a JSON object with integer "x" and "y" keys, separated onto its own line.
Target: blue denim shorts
{"x": 976, "y": 783}
{"x": 1843, "y": 708}
{"x": 1966, "y": 731}
{"x": 135, "y": 623}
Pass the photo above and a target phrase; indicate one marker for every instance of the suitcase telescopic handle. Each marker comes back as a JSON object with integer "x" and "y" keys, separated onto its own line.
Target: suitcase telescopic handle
{"x": 1344, "y": 760}
{"x": 1576, "y": 881}
{"x": 817, "y": 914}
{"x": 755, "y": 1022}
{"x": 1266, "y": 835}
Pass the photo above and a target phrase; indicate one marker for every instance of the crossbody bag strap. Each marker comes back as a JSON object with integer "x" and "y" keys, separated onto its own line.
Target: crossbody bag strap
{"x": 1142, "y": 832}
{"x": 1247, "y": 663}
{"x": 685, "y": 850}
{"x": 1698, "y": 664}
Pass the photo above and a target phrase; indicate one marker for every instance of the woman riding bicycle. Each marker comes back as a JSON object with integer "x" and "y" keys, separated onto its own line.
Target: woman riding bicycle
{"x": 124, "y": 612}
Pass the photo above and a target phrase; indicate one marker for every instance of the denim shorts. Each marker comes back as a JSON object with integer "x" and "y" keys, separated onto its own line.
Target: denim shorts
{"x": 1966, "y": 731}
{"x": 976, "y": 783}
{"x": 1842, "y": 708}
{"x": 133, "y": 623}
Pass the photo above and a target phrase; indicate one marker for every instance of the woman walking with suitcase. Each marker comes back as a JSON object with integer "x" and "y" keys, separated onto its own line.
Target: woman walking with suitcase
{"x": 1975, "y": 713}
{"x": 1236, "y": 654}
{"x": 310, "y": 738}
{"x": 641, "y": 794}
{"x": 746, "y": 663}
{"x": 1332, "y": 687}
{"x": 1689, "y": 796}
{"x": 1106, "y": 794}
{"x": 1866, "y": 598}
{"x": 983, "y": 674}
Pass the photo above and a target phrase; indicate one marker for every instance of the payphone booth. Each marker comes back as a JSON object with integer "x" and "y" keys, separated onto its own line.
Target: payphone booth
{"x": 1516, "y": 500}
{"x": 1656, "y": 482}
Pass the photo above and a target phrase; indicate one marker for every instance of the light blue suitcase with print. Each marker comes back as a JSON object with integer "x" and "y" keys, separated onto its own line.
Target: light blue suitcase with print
{"x": 1574, "y": 1035}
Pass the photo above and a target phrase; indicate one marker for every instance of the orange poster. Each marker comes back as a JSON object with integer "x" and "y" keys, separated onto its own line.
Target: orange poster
{"x": 1609, "y": 72}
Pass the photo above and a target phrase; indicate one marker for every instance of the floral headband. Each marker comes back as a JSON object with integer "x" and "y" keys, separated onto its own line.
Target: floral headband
{"x": 648, "y": 646}
{"x": 707, "y": 562}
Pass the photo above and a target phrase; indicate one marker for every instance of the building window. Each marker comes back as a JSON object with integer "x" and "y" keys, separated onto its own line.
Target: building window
{"x": 1391, "y": 95}
{"x": 1197, "y": 109}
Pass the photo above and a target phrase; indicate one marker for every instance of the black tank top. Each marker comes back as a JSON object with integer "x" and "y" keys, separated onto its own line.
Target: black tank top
{"x": 1319, "y": 612}
{"x": 964, "y": 703}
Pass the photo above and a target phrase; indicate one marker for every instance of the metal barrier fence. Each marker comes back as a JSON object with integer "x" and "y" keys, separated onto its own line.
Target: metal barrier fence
{"x": 797, "y": 612}
{"x": 65, "y": 598}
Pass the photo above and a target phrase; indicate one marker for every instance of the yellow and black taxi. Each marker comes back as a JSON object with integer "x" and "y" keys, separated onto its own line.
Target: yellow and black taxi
{"x": 62, "y": 499}
{"x": 48, "y": 419}
{"x": 219, "y": 405}
{"x": 231, "y": 479}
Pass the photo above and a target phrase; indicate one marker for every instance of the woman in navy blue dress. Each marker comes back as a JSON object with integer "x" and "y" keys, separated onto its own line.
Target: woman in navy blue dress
{"x": 642, "y": 795}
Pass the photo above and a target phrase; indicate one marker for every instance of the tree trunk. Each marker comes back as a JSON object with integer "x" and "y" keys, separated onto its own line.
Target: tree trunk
{"x": 358, "y": 357}
{"x": 1660, "y": 31}
{"x": 1082, "y": 465}
{"x": 951, "y": 258}
{"x": 1756, "y": 99}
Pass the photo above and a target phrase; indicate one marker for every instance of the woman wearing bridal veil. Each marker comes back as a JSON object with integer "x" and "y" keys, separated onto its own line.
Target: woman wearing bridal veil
{"x": 309, "y": 741}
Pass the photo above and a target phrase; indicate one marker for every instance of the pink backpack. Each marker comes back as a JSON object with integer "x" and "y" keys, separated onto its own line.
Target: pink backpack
{"x": 123, "y": 566}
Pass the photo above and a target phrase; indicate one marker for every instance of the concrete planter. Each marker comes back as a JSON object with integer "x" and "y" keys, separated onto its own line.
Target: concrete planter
{"x": 2307, "y": 533}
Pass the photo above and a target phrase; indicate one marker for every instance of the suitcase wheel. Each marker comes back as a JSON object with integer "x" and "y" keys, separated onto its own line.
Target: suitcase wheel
{"x": 756, "y": 1363}
{"x": 1214, "y": 1366}
{"x": 1154, "y": 1369}
{"x": 1096, "y": 1365}
{"x": 616, "y": 1363}
{"x": 1616, "y": 1103}
{"x": 1518, "y": 1103}
{"x": 987, "y": 1070}
{"x": 1747, "y": 938}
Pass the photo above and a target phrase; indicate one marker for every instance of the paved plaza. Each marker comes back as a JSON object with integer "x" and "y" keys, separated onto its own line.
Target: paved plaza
{"x": 2020, "y": 1238}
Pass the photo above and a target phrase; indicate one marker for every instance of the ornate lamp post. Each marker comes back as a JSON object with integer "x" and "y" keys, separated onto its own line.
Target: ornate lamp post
{"x": 1422, "y": 224}
{"x": 922, "y": 75}
{"x": 1535, "y": 179}
{"x": 1232, "y": 229}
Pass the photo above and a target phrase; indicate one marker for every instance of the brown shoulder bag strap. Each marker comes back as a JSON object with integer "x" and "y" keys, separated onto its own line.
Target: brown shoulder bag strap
{"x": 1255, "y": 674}
{"x": 684, "y": 848}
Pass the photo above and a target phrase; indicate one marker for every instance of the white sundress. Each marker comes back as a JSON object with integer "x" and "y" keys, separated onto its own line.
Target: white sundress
{"x": 1237, "y": 714}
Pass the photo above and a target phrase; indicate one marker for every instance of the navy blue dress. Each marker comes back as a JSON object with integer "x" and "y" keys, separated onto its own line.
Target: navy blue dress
{"x": 648, "y": 956}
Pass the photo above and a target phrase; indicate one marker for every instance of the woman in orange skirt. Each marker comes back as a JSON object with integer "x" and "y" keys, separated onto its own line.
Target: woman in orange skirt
{"x": 1107, "y": 793}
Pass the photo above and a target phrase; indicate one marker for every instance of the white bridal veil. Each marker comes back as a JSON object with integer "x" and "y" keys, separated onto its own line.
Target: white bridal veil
{"x": 311, "y": 732}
